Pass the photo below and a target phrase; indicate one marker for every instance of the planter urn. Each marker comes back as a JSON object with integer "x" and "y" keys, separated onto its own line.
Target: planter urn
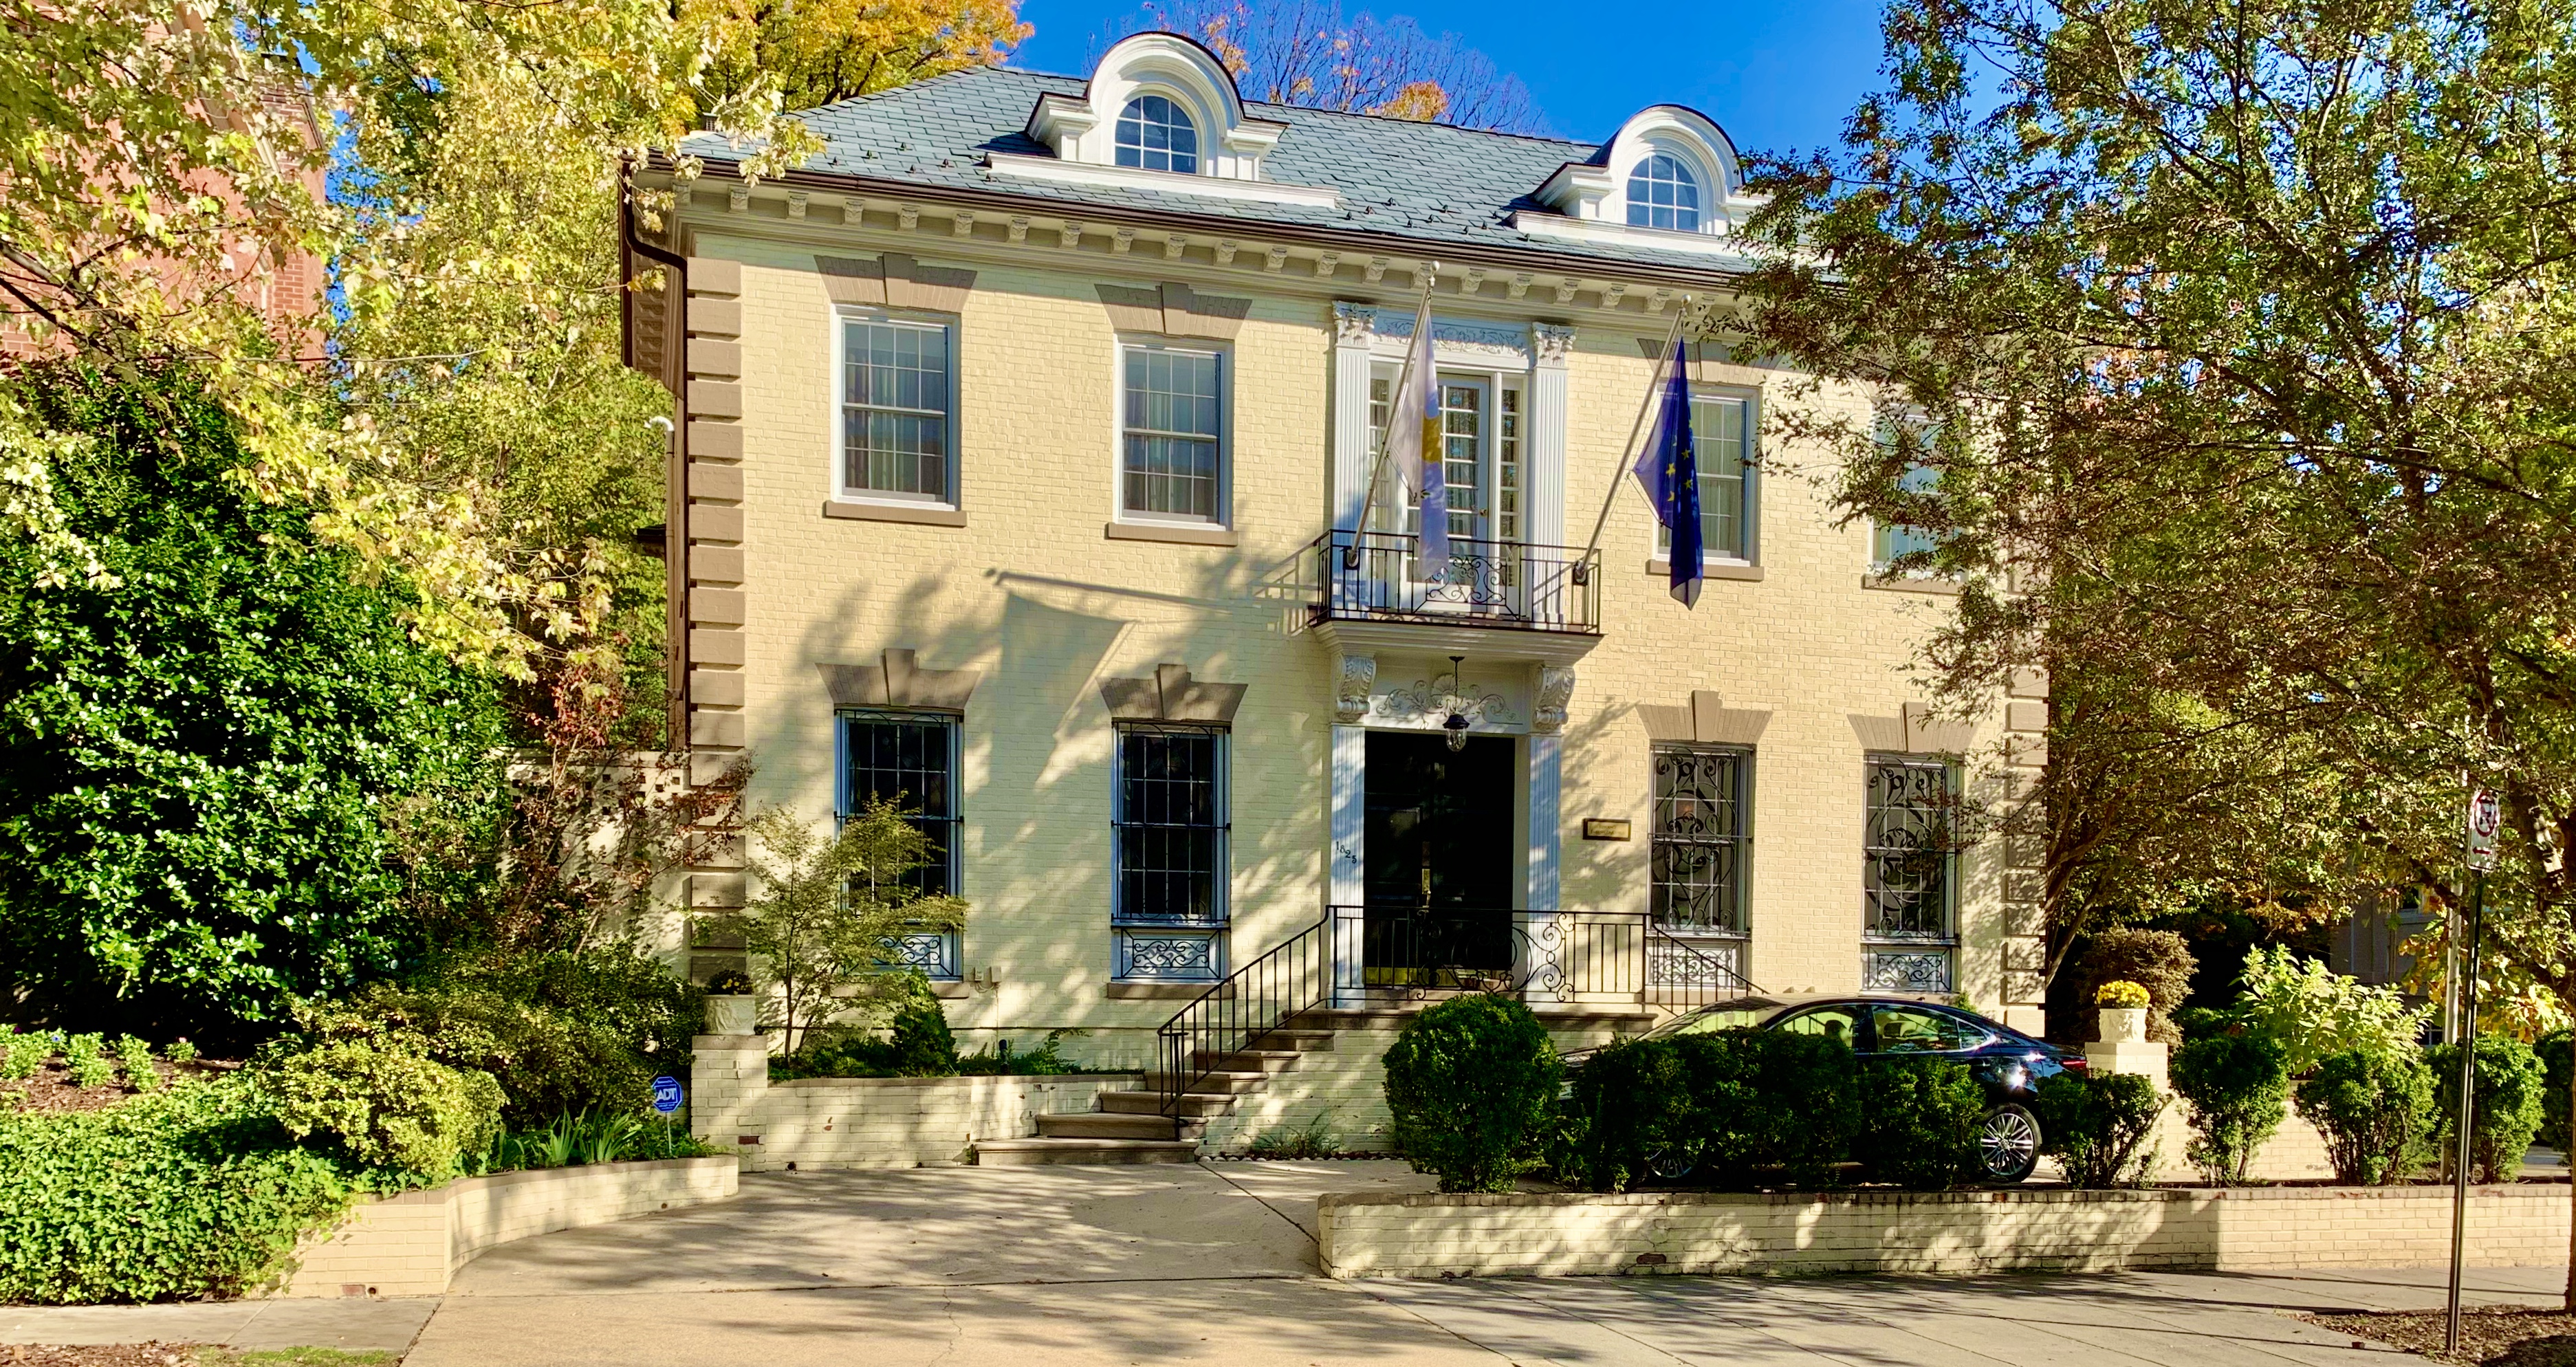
{"x": 732, "y": 1015}
{"x": 2120, "y": 1024}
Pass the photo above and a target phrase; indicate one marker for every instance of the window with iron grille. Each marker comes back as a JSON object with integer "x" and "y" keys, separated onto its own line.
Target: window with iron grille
{"x": 1911, "y": 861}
{"x": 1702, "y": 835}
{"x": 1171, "y": 826}
{"x": 909, "y": 759}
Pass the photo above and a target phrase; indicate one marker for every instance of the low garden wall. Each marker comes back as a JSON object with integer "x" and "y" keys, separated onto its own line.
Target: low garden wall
{"x": 868, "y": 1122}
{"x": 2244, "y": 1229}
{"x": 411, "y": 1244}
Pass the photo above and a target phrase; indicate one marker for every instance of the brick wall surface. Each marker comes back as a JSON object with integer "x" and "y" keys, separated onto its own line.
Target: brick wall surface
{"x": 1029, "y": 593}
{"x": 2240, "y": 1230}
{"x": 411, "y": 1244}
{"x": 869, "y": 1122}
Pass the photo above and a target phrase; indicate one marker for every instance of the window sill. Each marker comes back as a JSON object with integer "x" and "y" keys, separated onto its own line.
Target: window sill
{"x": 1174, "y": 533}
{"x": 1155, "y": 992}
{"x": 950, "y": 988}
{"x": 1906, "y": 583}
{"x": 918, "y": 514}
{"x": 1710, "y": 569}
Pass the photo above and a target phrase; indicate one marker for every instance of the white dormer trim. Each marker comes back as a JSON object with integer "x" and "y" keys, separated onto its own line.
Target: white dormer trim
{"x": 1083, "y": 129}
{"x": 1134, "y": 178}
{"x": 1591, "y": 197}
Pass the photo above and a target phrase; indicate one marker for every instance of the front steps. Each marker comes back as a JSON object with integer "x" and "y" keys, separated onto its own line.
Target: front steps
{"x": 1131, "y": 1127}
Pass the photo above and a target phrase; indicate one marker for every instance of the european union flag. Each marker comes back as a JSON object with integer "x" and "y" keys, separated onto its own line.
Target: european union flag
{"x": 1670, "y": 471}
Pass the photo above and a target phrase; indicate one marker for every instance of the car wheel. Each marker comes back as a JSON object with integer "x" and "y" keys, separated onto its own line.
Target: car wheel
{"x": 2008, "y": 1144}
{"x": 1670, "y": 1163}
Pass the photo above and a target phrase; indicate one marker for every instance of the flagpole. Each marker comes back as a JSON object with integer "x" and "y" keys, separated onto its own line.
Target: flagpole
{"x": 1627, "y": 453}
{"x": 1377, "y": 465}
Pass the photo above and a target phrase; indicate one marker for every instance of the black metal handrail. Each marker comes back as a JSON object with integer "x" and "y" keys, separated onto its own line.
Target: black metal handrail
{"x": 1255, "y": 1001}
{"x": 1573, "y": 956}
{"x": 1380, "y": 576}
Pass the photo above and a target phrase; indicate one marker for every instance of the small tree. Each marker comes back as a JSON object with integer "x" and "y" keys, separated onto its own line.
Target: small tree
{"x": 832, "y": 910}
{"x": 2236, "y": 1089}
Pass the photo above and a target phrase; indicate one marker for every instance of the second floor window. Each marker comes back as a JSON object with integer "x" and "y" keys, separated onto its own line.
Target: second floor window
{"x": 1701, "y": 837}
{"x": 1722, "y": 441}
{"x": 1171, "y": 431}
{"x": 896, "y": 410}
{"x": 1910, "y": 863}
{"x": 1171, "y": 825}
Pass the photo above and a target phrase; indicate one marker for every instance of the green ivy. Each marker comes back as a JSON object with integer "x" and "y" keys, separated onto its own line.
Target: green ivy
{"x": 193, "y": 761}
{"x": 190, "y": 1192}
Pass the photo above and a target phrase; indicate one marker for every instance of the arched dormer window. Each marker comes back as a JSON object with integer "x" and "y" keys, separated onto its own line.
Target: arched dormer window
{"x": 1662, "y": 193}
{"x": 1157, "y": 135}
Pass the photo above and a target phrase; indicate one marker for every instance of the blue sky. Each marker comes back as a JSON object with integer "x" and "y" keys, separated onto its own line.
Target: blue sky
{"x": 1773, "y": 76}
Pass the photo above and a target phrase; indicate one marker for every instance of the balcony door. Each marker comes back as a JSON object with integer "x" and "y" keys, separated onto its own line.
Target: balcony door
{"x": 1440, "y": 876}
{"x": 1480, "y": 462}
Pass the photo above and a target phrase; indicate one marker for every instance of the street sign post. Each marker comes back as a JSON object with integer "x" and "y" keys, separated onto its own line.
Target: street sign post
{"x": 2485, "y": 824}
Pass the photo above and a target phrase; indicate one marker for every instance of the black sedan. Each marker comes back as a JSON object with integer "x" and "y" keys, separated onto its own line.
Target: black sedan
{"x": 2008, "y": 1063}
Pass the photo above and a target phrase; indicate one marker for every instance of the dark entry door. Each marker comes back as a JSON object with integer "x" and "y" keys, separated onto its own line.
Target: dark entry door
{"x": 1440, "y": 867}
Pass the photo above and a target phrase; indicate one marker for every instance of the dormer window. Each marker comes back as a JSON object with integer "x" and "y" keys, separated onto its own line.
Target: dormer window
{"x": 1154, "y": 134}
{"x": 1662, "y": 193}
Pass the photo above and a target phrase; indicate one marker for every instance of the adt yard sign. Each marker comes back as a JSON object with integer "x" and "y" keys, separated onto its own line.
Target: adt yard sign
{"x": 666, "y": 1095}
{"x": 2486, "y": 819}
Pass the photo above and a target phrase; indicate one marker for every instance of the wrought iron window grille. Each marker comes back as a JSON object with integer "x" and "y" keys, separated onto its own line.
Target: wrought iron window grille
{"x": 1701, "y": 839}
{"x": 1910, "y": 862}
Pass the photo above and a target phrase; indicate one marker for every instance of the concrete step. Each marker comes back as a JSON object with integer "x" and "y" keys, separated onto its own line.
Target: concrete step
{"x": 1197, "y": 1104}
{"x": 1031, "y": 1153}
{"x": 1228, "y": 1083}
{"x": 1107, "y": 1125}
{"x": 1248, "y": 1060}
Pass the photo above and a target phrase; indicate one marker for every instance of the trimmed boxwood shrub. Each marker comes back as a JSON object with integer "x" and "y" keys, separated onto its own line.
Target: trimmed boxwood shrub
{"x": 2509, "y": 1078}
{"x": 384, "y": 1110}
{"x": 1918, "y": 1122}
{"x": 1472, "y": 1084}
{"x": 2375, "y": 1109}
{"x": 1773, "y": 1103}
{"x": 2094, "y": 1124}
{"x": 1628, "y": 1112}
{"x": 2235, "y": 1090}
{"x": 191, "y": 1192}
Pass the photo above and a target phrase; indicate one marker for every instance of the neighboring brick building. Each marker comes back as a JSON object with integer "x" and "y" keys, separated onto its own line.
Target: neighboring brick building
{"x": 1027, "y": 428}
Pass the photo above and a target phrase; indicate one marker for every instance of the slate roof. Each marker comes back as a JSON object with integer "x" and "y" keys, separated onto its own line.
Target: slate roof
{"x": 1431, "y": 183}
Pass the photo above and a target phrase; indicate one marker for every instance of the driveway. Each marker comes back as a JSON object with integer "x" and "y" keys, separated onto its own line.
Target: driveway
{"x": 1017, "y": 1267}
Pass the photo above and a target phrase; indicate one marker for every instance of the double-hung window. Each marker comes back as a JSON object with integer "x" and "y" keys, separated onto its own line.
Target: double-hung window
{"x": 1701, "y": 841}
{"x": 898, "y": 410}
{"x": 1722, "y": 444}
{"x": 1909, "y": 875}
{"x": 1168, "y": 916}
{"x": 1171, "y": 433}
{"x": 910, "y": 760}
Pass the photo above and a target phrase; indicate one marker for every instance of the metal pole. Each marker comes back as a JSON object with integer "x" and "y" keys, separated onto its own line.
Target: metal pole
{"x": 2468, "y": 1000}
{"x": 1628, "y": 452}
{"x": 1377, "y": 462}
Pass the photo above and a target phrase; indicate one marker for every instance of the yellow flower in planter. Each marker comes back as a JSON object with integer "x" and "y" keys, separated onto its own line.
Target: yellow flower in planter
{"x": 2122, "y": 994}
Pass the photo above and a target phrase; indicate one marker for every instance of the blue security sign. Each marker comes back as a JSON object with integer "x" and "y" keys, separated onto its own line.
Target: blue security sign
{"x": 666, "y": 1094}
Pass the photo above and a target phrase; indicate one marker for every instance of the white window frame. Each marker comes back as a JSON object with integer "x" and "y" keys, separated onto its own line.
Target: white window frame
{"x": 1196, "y": 346}
{"x": 836, "y": 401}
{"x": 1185, "y": 108}
{"x": 1394, "y": 513}
{"x": 1689, "y": 173}
{"x": 1751, "y": 514}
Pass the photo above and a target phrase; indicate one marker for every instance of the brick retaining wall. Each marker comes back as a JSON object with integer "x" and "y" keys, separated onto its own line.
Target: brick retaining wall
{"x": 2245, "y": 1229}
{"x": 411, "y": 1244}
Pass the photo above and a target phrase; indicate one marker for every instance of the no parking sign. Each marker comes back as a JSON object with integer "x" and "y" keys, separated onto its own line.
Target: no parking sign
{"x": 2486, "y": 819}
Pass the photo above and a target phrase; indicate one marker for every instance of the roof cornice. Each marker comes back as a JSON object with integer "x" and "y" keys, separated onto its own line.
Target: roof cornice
{"x": 1354, "y": 241}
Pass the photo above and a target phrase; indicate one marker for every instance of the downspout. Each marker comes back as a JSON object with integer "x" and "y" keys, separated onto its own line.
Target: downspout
{"x": 675, "y": 463}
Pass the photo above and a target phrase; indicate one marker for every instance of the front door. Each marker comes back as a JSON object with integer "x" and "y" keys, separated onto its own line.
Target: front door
{"x": 1440, "y": 879}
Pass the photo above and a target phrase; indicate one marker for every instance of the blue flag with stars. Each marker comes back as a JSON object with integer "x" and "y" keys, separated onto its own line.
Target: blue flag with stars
{"x": 1669, "y": 470}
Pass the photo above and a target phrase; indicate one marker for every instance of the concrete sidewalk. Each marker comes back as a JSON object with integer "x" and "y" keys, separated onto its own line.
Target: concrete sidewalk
{"x": 1021, "y": 1266}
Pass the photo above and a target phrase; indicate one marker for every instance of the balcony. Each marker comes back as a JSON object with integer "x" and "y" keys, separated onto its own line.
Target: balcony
{"x": 1494, "y": 585}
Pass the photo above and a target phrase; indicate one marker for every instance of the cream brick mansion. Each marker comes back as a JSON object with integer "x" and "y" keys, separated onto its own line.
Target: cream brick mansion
{"x": 1025, "y": 436}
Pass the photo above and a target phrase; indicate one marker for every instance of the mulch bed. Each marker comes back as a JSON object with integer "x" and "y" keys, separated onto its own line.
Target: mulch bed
{"x": 52, "y": 1089}
{"x": 99, "y": 1355}
{"x": 2488, "y": 1338}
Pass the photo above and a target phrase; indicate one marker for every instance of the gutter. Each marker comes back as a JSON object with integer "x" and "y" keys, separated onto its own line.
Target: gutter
{"x": 675, "y": 462}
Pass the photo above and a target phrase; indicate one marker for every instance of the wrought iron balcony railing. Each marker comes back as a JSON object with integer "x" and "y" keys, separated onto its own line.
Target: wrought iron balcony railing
{"x": 1381, "y": 576}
